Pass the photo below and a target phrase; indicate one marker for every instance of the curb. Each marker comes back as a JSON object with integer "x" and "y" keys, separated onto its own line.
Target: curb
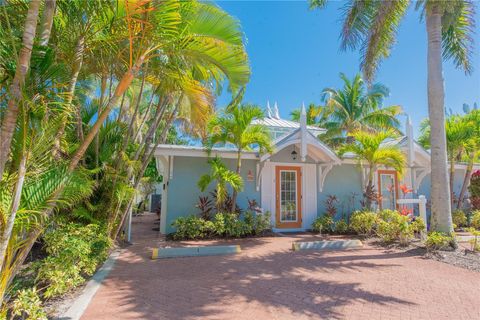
{"x": 80, "y": 304}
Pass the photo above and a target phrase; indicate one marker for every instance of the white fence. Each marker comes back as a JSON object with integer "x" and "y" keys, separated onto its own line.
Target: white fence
{"x": 422, "y": 209}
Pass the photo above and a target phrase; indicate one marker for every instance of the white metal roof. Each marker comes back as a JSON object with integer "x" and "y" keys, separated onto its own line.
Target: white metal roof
{"x": 282, "y": 123}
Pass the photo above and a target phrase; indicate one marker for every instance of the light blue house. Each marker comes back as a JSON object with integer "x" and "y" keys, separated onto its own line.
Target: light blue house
{"x": 294, "y": 181}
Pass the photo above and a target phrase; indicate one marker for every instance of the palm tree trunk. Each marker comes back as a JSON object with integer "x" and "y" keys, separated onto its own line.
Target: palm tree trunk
{"x": 23, "y": 64}
{"x": 466, "y": 182}
{"x": 7, "y": 232}
{"x": 121, "y": 88}
{"x": 440, "y": 195}
{"x": 234, "y": 192}
{"x": 103, "y": 88}
{"x": 451, "y": 179}
{"x": 369, "y": 189}
{"x": 146, "y": 159}
{"x": 76, "y": 67}
{"x": 47, "y": 22}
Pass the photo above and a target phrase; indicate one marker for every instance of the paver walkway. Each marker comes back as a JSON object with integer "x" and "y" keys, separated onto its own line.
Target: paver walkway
{"x": 269, "y": 281}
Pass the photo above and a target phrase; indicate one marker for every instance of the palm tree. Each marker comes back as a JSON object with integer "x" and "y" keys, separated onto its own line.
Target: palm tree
{"x": 9, "y": 121}
{"x": 472, "y": 150}
{"x": 235, "y": 126}
{"x": 356, "y": 107}
{"x": 223, "y": 178}
{"x": 458, "y": 133}
{"x": 372, "y": 26}
{"x": 370, "y": 148}
{"x": 191, "y": 49}
{"x": 314, "y": 114}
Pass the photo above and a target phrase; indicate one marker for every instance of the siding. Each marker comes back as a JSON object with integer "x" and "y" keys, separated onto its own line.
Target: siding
{"x": 183, "y": 191}
{"x": 342, "y": 181}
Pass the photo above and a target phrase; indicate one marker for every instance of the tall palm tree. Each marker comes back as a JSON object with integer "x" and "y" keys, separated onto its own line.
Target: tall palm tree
{"x": 9, "y": 121}
{"x": 190, "y": 47}
{"x": 235, "y": 126}
{"x": 370, "y": 149}
{"x": 223, "y": 178}
{"x": 356, "y": 107}
{"x": 372, "y": 26}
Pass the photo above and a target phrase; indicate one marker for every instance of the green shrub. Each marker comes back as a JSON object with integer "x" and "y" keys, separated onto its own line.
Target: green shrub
{"x": 364, "y": 222}
{"x": 262, "y": 223}
{"x": 341, "y": 227}
{"x": 439, "y": 241}
{"x": 475, "y": 242}
{"x": 393, "y": 226}
{"x": 192, "y": 227}
{"x": 234, "y": 227}
{"x": 73, "y": 251}
{"x": 323, "y": 224}
{"x": 27, "y": 305}
{"x": 396, "y": 227}
{"x": 223, "y": 225}
{"x": 459, "y": 218}
{"x": 418, "y": 225}
{"x": 388, "y": 215}
{"x": 475, "y": 220}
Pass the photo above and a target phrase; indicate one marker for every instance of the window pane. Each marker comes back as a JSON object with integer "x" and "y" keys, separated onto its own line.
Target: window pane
{"x": 288, "y": 196}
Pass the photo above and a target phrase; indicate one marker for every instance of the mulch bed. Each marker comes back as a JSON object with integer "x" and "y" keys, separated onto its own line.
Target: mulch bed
{"x": 461, "y": 257}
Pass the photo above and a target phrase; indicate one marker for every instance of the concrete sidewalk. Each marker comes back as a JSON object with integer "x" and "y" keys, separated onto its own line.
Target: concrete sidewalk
{"x": 269, "y": 281}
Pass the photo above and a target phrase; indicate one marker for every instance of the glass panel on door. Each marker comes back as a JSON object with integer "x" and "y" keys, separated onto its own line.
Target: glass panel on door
{"x": 388, "y": 190}
{"x": 288, "y": 196}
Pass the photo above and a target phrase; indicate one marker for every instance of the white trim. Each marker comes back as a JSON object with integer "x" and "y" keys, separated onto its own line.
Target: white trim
{"x": 323, "y": 170}
{"x": 420, "y": 174}
{"x": 296, "y": 194}
{"x": 190, "y": 151}
{"x": 170, "y": 171}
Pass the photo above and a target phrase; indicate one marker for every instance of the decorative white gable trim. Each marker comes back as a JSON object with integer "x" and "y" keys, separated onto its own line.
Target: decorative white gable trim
{"x": 323, "y": 170}
{"x": 420, "y": 174}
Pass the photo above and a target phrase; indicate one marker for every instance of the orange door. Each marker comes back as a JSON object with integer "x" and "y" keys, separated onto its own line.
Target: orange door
{"x": 388, "y": 189}
{"x": 288, "y": 186}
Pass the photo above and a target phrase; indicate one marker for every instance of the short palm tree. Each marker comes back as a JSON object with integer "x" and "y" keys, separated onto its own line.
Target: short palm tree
{"x": 372, "y": 26}
{"x": 356, "y": 107}
{"x": 235, "y": 126}
{"x": 458, "y": 135}
{"x": 370, "y": 148}
{"x": 472, "y": 150}
{"x": 223, "y": 178}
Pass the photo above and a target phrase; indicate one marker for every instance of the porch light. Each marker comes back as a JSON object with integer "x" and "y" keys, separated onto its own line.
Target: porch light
{"x": 294, "y": 154}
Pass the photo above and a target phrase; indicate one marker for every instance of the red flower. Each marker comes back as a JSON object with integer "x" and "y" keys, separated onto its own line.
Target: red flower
{"x": 404, "y": 211}
{"x": 405, "y": 189}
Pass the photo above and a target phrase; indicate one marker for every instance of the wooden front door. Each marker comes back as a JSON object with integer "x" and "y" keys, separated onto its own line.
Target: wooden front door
{"x": 288, "y": 186}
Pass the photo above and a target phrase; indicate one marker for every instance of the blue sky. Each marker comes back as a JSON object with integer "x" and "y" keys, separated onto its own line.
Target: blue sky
{"x": 294, "y": 54}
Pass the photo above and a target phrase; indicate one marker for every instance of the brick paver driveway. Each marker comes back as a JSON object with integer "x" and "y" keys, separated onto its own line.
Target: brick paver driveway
{"x": 268, "y": 281}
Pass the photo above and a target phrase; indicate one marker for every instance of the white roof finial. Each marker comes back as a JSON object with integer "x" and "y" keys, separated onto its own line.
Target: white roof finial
{"x": 303, "y": 115}
{"x": 276, "y": 114}
{"x": 269, "y": 111}
{"x": 303, "y": 131}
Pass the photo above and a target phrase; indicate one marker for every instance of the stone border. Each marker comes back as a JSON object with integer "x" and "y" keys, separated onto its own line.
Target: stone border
{"x": 162, "y": 253}
{"x": 327, "y": 245}
{"x": 80, "y": 304}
